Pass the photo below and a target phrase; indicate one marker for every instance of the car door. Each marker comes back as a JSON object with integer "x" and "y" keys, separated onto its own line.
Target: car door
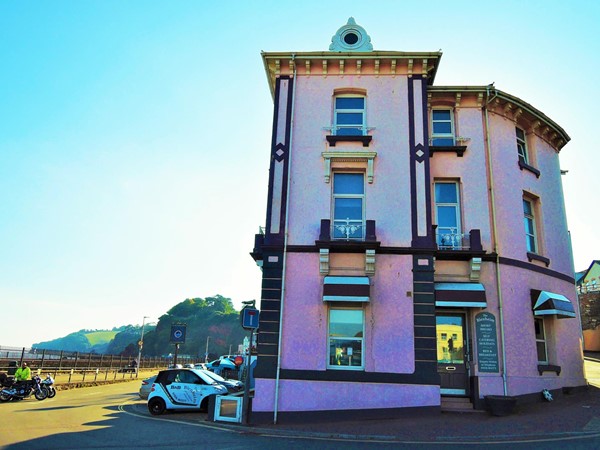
{"x": 186, "y": 389}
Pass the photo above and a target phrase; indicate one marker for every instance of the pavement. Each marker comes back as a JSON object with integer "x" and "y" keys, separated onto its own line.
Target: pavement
{"x": 568, "y": 416}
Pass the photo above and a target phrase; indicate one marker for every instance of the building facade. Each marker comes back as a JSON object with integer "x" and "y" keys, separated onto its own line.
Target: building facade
{"x": 416, "y": 242}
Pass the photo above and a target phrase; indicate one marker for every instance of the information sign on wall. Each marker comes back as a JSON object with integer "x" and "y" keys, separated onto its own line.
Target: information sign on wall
{"x": 487, "y": 342}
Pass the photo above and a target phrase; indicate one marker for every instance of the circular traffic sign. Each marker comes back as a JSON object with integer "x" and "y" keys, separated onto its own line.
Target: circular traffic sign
{"x": 238, "y": 360}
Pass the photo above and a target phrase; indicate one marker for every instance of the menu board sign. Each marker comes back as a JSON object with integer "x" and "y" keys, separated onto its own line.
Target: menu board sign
{"x": 487, "y": 342}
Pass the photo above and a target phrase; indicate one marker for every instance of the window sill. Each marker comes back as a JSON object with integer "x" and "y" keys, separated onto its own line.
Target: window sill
{"x": 334, "y": 139}
{"x": 536, "y": 257}
{"x": 548, "y": 368}
{"x": 533, "y": 170}
{"x": 458, "y": 149}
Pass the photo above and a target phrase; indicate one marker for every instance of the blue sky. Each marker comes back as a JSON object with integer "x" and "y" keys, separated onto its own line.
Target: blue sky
{"x": 134, "y": 136}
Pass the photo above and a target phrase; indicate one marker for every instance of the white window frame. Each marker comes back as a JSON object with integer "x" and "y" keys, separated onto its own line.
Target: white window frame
{"x": 453, "y": 238}
{"x": 347, "y": 338}
{"x": 532, "y": 220}
{"x": 363, "y": 126}
{"x": 542, "y": 339}
{"x": 451, "y": 135}
{"x": 352, "y": 233}
{"x": 522, "y": 145}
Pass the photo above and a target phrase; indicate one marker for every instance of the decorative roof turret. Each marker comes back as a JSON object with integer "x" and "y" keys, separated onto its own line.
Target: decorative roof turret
{"x": 351, "y": 38}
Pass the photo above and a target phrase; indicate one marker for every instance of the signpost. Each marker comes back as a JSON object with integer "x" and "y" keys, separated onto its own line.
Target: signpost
{"x": 249, "y": 317}
{"x": 177, "y": 337}
{"x": 487, "y": 342}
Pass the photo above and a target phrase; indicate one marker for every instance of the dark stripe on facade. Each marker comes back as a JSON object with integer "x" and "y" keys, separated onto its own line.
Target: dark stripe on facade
{"x": 534, "y": 268}
{"x": 279, "y": 152}
{"x": 345, "y": 290}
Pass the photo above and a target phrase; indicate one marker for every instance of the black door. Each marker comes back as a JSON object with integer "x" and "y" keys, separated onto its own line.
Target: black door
{"x": 451, "y": 354}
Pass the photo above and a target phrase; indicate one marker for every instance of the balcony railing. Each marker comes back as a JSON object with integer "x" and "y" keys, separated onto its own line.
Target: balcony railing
{"x": 347, "y": 230}
{"x": 451, "y": 239}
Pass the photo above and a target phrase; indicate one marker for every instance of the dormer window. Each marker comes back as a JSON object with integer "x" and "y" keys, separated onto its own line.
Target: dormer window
{"x": 442, "y": 128}
{"x": 349, "y": 116}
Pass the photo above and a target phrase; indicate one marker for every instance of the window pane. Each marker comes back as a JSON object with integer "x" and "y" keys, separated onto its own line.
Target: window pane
{"x": 529, "y": 226}
{"x": 349, "y": 103}
{"x": 539, "y": 329}
{"x": 349, "y": 118}
{"x": 348, "y": 208}
{"x": 441, "y": 114}
{"x": 345, "y": 352}
{"x": 527, "y": 208}
{"x": 442, "y": 128}
{"x": 520, "y": 134}
{"x": 445, "y": 193}
{"x": 446, "y": 217}
{"x": 348, "y": 183}
{"x": 531, "y": 244}
{"x": 346, "y": 322}
{"x": 541, "y": 351}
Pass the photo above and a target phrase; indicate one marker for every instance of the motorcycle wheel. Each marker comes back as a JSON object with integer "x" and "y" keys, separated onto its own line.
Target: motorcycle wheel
{"x": 4, "y": 397}
{"x": 41, "y": 394}
{"x": 51, "y": 392}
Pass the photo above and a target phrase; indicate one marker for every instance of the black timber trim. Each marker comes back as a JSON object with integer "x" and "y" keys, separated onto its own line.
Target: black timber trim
{"x": 334, "y": 139}
{"x": 548, "y": 368}
{"x": 535, "y": 257}
{"x": 458, "y": 149}
{"x": 534, "y": 268}
{"x": 533, "y": 170}
{"x": 426, "y": 374}
{"x": 289, "y": 417}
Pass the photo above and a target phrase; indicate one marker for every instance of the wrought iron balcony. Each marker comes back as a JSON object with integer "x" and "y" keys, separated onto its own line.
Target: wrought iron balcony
{"x": 347, "y": 233}
{"x": 451, "y": 239}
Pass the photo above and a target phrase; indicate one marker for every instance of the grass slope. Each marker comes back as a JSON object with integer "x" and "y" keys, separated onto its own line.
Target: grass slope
{"x": 100, "y": 337}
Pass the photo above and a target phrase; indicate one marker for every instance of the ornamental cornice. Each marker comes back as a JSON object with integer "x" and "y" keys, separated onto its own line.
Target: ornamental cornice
{"x": 524, "y": 115}
{"x": 373, "y": 63}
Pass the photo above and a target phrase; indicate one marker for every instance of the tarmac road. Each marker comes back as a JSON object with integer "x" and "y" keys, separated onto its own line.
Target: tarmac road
{"x": 113, "y": 417}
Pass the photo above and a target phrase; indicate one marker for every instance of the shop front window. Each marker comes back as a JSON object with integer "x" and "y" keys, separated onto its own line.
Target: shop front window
{"x": 346, "y": 337}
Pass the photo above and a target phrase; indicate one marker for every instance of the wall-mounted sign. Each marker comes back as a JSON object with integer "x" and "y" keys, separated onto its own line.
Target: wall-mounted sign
{"x": 178, "y": 334}
{"x": 487, "y": 342}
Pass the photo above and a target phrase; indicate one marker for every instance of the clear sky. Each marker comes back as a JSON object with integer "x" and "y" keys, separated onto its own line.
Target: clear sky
{"x": 134, "y": 136}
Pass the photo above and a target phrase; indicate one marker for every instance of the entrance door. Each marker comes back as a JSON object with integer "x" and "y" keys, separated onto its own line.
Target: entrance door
{"x": 451, "y": 354}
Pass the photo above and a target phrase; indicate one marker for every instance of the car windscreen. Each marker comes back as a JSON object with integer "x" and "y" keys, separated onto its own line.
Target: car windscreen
{"x": 214, "y": 376}
{"x": 206, "y": 378}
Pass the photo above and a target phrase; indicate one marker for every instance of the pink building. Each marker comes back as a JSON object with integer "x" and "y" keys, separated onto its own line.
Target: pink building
{"x": 416, "y": 245}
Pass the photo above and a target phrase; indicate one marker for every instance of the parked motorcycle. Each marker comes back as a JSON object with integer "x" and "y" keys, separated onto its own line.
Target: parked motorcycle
{"x": 48, "y": 383}
{"x": 12, "y": 390}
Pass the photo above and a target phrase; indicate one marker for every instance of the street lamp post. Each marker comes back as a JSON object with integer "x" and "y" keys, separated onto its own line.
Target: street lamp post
{"x": 141, "y": 344}
{"x": 206, "y": 352}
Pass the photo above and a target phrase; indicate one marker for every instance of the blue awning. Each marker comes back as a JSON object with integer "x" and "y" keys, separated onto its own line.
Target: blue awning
{"x": 546, "y": 303}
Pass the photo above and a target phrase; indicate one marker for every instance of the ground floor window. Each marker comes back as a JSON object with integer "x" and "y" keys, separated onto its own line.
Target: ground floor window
{"x": 540, "y": 341}
{"x": 346, "y": 337}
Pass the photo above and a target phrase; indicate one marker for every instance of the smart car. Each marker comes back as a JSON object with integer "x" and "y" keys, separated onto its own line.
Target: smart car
{"x": 182, "y": 389}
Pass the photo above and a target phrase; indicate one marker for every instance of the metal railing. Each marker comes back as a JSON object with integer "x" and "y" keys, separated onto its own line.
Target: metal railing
{"x": 451, "y": 239}
{"x": 81, "y": 366}
{"x": 348, "y": 229}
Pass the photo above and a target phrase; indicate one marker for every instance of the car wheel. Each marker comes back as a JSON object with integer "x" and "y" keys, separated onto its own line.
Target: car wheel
{"x": 156, "y": 406}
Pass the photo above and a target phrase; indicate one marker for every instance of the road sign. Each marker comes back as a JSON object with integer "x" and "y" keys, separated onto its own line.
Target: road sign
{"x": 178, "y": 334}
{"x": 250, "y": 318}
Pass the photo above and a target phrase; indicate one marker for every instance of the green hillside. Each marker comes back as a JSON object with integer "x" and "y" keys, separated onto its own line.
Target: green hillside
{"x": 100, "y": 337}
